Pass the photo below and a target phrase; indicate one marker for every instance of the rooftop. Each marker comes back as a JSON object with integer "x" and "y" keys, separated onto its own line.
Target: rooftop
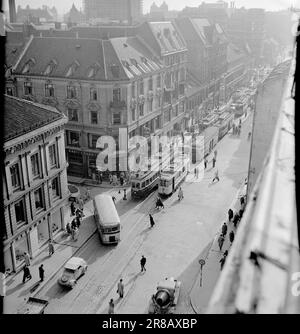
{"x": 22, "y": 116}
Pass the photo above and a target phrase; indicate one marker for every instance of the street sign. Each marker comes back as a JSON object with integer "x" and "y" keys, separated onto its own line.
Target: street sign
{"x": 202, "y": 262}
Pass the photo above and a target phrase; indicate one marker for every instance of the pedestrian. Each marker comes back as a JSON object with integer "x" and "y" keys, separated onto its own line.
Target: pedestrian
{"x": 180, "y": 194}
{"x": 26, "y": 273}
{"x": 151, "y": 220}
{"x": 81, "y": 205}
{"x": 224, "y": 229}
{"x": 100, "y": 177}
{"x": 111, "y": 307}
{"x": 26, "y": 259}
{"x": 205, "y": 163}
{"x": 213, "y": 162}
{"x": 41, "y": 272}
{"x": 120, "y": 289}
{"x": 68, "y": 228}
{"x": 74, "y": 223}
{"x": 222, "y": 261}
{"x": 195, "y": 172}
{"x": 231, "y": 237}
{"x": 242, "y": 200}
{"x": 230, "y": 214}
{"x": 241, "y": 213}
{"x": 221, "y": 240}
{"x": 51, "y": 247}
{"x": 143, "y": 263}
{"x": 73, "y": 208}
{"x": 216, "y": 177}
{"x": 114, "y": 199}
{"x": 236, "y": 219}
{"x": 77, "y": 221}
{"x": 249, "y": 136}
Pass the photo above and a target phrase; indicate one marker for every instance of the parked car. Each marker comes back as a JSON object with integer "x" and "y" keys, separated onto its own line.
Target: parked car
{"x": 73, "y": 270}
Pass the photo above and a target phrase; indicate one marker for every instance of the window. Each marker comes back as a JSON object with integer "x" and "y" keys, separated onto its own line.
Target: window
{"x": 133, "y": 114}
{"x": 73, "y": 114}
{"x": 52, "y": 155}
{"x": 9, "y": 91}
{"x": 27, "y": 88}
{"x": 38, "y": 199}
{"x": 20, "y": 213}
{"x": 150, "y": 104}
{"x": 49, "y": 90}
{"x": 117, "y": 94}
{"x": 142, "y": 88}
{"x": 133, "y": 89}
{"x": 141, "y": 108}
{"x": 158, "y": 85}
{"x": 55, "y": 187}
{"x": 93, "y": 140}
{"x": 71, "y": 92}
{"x": 150, "y": 84}
{"x": 73, "y": 138}
{"x": 117, "y": 118}
{"x": 93, "y": 94}
{"x": 35, "y": 165}
{"x": 94, "y": 117}
{"x": 167, "y": 116}
{"x": 15, "y": 176}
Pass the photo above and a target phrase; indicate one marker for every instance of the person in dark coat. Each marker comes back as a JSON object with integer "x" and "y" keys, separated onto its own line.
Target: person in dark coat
{"x": 151, "y": 220}
{"x": 205, "y": 163}
{"x": 73, "y": 208}
{"x": 231, "y": 237}
{"x": 221, "y": 241}
{"x": 214, "y": 162}
{"x": 143, "y": 263}
{"x": 120, "y": 289}
{"x": 242, "y": 200}
{"x": 236, "y": 219}
{"x": 230, "y": 214}
{"x": 68, "y": 228}
{"x": 51, "y": 247}
{"x": 26, "y": 273}
{"x": 224, "y": 229}
{"x": 73, "y": 224}
{"x": 222, "y": 261}
{"x": 41, "y": 272}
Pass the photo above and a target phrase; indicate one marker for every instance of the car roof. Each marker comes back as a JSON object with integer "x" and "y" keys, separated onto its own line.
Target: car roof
{"x": 74, "y": 263}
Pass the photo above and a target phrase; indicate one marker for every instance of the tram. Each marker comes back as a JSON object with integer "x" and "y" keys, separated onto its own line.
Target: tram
{"x": 144, "y": 182}
{"x": 173, "y": 176}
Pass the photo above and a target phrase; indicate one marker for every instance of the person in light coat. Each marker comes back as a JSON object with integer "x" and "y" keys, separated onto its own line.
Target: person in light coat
{"x": 120, "y": 289}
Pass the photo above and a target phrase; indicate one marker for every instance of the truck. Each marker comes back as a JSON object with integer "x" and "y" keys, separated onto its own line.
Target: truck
{"x": 165, "y": 299}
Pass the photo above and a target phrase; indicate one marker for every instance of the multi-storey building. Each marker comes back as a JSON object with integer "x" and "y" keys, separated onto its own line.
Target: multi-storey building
{"x": 105, "y": 85}
{"x": 248, "y": 26}
{"x": 113, "y": 10}
{"x": 35, "y": 188}
{"x": 207, "y": 50}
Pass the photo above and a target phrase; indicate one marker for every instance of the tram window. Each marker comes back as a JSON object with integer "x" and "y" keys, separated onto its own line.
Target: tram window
{"x": 143, "y": 184}
{"x": 147, "y": 182}
{"x": 137, "y": 186}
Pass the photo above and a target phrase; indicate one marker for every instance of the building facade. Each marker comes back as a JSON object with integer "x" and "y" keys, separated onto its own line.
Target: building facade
{"x": 129, "y": 11}
{"x": 34, "y": 178}
{"x": 131, "y": 83}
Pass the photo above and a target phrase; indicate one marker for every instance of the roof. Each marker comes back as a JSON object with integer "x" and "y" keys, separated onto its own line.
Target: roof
{"x": 74, "y": 263}
{"x": 22, "y": 116}
{"x": 106, "y": 209}
{"x": 112, "y": 59}
{"x": 167, "y": 36}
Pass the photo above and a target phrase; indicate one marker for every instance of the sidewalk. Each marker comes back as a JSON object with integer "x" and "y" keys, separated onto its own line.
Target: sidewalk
{"x": 17, "y": 293}
{"x": 91, "y": 183}
{"x": 200, "y": 295}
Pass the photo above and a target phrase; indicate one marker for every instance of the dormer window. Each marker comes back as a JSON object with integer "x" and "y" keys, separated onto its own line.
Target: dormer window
{"x": 115, "y": 70}
{"x": 72, "y": 68}
{"x": 50, "y": 67}
{"x": 134, "y": 62}
{"x": 93, "y": 70}
{"x": 27, "y": 66}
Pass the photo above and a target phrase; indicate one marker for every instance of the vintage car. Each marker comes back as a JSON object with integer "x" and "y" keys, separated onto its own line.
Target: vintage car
{"x": 73, "y": 270}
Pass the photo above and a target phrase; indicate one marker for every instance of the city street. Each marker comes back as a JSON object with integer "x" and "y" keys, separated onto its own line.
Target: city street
{"x": 183, "y": 232}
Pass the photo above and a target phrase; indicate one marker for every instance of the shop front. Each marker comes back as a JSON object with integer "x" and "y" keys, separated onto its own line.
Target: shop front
{"x": 19, "y": 247}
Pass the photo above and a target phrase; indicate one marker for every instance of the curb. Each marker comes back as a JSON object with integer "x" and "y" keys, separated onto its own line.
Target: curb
{"x": 50, "y": 277}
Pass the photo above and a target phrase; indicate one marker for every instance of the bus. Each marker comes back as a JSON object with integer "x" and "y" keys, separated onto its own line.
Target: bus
{"x": 107, "y": 219}
{"x": 173, "y": 176}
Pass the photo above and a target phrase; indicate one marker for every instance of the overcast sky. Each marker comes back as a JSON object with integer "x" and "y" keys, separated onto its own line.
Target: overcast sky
{"x": 64, "y": 5}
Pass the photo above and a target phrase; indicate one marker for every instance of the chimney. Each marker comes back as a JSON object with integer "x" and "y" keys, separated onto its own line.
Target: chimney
{"x": 12, "y": 11}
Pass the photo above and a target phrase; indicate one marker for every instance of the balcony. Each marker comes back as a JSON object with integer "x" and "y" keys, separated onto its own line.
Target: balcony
{"x": 117, "y": 104}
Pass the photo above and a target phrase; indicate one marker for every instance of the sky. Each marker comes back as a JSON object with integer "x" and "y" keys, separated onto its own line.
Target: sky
{"x": 64, "y": 5}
